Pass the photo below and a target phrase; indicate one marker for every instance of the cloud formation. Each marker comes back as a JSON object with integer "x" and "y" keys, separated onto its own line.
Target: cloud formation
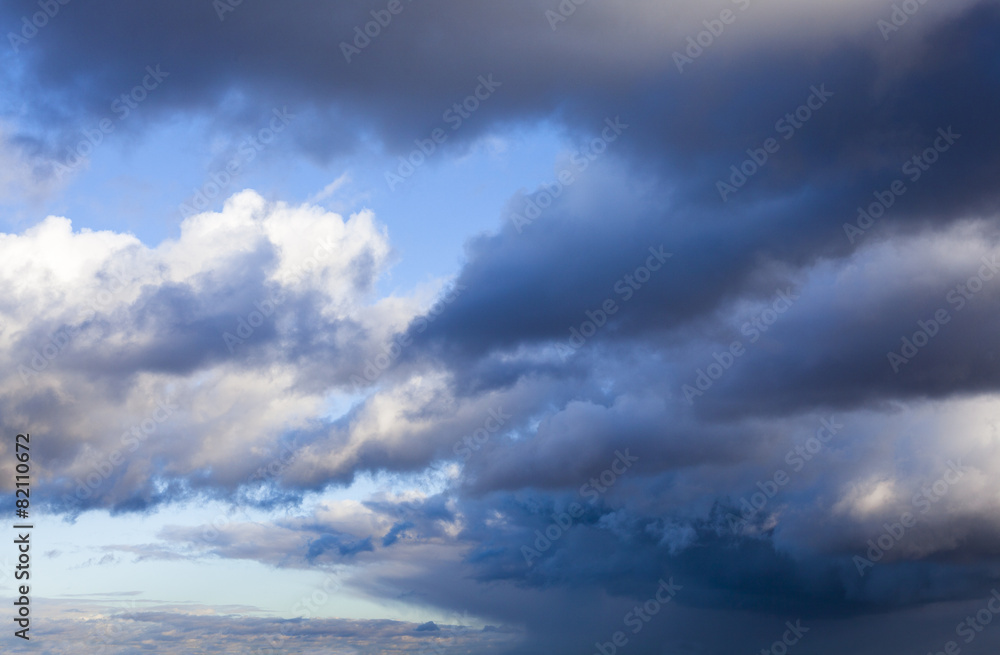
{"x": 742, "y": 339}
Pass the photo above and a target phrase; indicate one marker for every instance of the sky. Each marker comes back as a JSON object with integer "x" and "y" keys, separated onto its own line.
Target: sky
{"x": 557, "y": 327}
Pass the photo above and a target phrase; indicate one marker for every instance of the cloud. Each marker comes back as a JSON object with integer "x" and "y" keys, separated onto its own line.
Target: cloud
{"x": 752, "y": 335}
{"x": 688, "y": 467}
{"x": 606, "y": 59}
{"x": 174, "y": 629}
{"x": 204, "y": 353}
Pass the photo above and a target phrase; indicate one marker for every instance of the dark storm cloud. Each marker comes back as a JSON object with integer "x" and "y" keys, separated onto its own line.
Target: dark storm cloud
{"x": 723, "y": 561}
{"x": 895, "y": 338}
{"x": 610, "y": 561}
{"x": 608, "y": 60}
{"x": 290, "y": 53}
{"x": 549, "y": 287}
{"x": 532, "y": 282}
{"x": 637, "y": 435}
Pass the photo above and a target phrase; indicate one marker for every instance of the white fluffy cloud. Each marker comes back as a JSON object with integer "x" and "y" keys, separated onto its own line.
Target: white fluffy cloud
{"x": 190, "y": 359}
